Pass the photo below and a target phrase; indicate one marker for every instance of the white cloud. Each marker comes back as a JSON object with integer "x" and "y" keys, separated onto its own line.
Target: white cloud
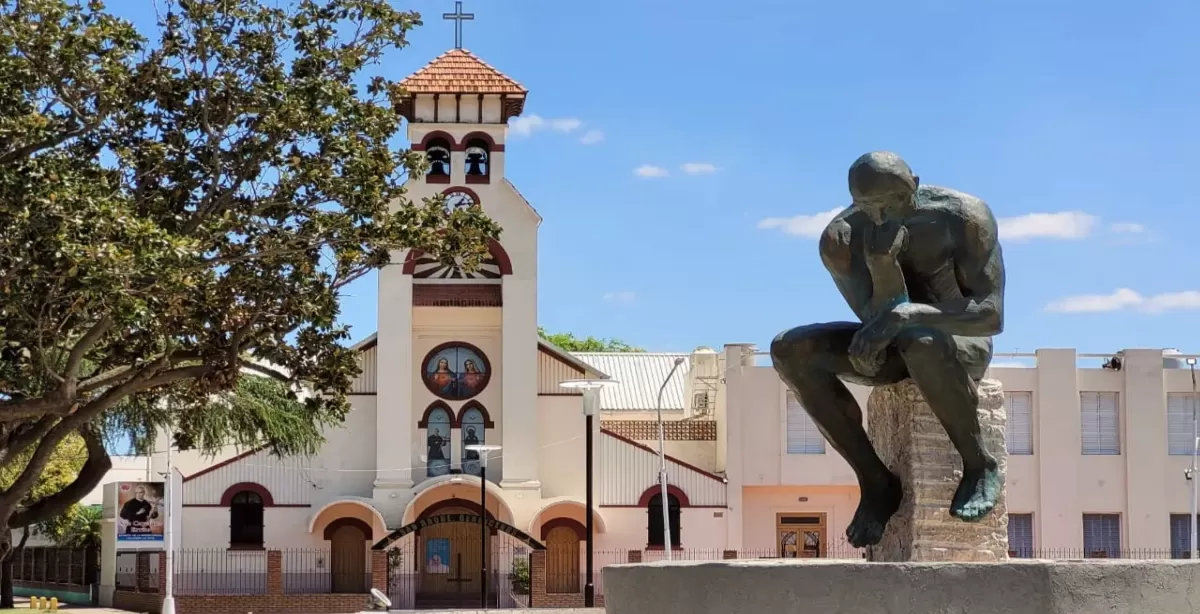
{"x": 591, "y": 137}
{"x": 1124, "y": 298}
{"x": 699, "y": 168}
{"x": 649, "y": 170}
{"x": 623, "y": 296}
{"x": 527, "y": 125}
{"x": 1063, "y": 225}
{"x": 808, "y": 226}
{"x": 1128, "y": 227}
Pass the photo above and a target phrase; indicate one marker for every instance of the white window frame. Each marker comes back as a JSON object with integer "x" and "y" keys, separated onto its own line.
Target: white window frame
{"x": 1019, "y": 428}
{"x": 1179, "y": 423}
{"x": 797, "y": 421}
{"x": 1100, "y": 423}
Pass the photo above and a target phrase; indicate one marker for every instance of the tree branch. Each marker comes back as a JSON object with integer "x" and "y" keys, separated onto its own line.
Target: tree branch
{"x": 81, "y": 348}
{"x": 273, "y": 373}
{"x": 90, "y": 475}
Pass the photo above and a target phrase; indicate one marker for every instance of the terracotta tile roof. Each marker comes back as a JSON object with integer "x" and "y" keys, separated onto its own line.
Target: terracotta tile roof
{"x": 458, "y": 71}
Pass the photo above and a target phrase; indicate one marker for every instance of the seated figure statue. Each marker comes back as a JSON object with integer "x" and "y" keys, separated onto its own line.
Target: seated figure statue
{"x": 922, "y": 269}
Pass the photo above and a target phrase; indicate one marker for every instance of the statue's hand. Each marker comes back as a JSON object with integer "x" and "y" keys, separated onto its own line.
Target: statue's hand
{"x": 886, "y": 242}
{"x": 869, "y": 346}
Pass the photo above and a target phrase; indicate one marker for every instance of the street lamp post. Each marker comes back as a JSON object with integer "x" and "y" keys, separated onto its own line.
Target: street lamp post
{"x": 484, "y": 555}
{"x": 591, "y": 405}
{"x": 1191, "y": 362}
{"x": 662, "y": 462}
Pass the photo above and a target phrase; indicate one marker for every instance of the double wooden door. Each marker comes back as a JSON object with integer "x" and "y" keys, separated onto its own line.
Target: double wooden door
{"x": 801, "y": 535}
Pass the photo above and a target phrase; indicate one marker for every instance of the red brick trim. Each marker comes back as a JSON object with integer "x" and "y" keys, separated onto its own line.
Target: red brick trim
{"x": 711, "y": 476}
{"x": 228, "y": 461}
{"x": 436, "y": 507}
{"x": 675, "y": 491}
{"x": 483, "y": 136}
{"x": 570, "y": 523}
{"x": 487, "y": 418}
{"x": 458, "y": 295}
{"x": 439, "y": 179}
{"x": 436, "y": 134}
{"x": 351, "y": 522}
{"x": 480, "y": 179}
{"x": 424, "y": 421}
{"x": 267, "y": 499}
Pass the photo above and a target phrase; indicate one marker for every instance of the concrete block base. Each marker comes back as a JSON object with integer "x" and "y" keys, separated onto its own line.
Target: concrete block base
{"x": 827, "y": 586}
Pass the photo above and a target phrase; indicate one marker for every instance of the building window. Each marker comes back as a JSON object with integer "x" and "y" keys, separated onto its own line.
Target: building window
{"x": 437, "y": 442}
{"x": 803, "y": 437}
{"x": 1179, "y": 423}
{"x": 654, "y": 536}
{"x": 473, "y": 434}
{"x": 1181, "y": 537}
{"x": 1020, "y": 535}
{"x": 246, "y": 520}
{"x": 1102, "y": 536}
{"x": 1019, "y": 406}
{"x": 1100, "y": 425}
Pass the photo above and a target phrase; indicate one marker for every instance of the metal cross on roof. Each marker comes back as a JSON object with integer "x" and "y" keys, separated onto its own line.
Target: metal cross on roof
{"x": 458, "y": 16}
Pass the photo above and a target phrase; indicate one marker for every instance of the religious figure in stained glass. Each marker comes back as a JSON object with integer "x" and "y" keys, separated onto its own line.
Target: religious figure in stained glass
{"x": 473, "y": 434}
{"x": 456, "y": 371}
{"x": 437, "y": 442}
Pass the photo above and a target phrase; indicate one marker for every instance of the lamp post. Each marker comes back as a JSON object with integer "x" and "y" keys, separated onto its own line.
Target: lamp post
{"x": 591, "y": 405}
{"x": 484, "y": 555}
{"x": 662, "y": 462}
{"x": 168, "y": 604}
{"x": 1191, "y": 362}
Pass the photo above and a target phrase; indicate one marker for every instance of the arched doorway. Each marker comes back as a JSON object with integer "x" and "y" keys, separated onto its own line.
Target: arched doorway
{"x": 562, "y": 558}
{"x": 348, "y": 568}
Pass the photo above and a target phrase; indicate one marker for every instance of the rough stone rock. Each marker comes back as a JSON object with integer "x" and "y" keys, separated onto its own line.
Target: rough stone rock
{"x": 913, "y": 444}
{"x": 823, "y": 586}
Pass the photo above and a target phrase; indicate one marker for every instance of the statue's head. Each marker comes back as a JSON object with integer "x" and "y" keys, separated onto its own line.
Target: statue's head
{"x": 882, "y": 185}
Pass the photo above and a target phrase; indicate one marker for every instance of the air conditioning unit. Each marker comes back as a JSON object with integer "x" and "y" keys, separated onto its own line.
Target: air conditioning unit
{"x": 701, "y": 404}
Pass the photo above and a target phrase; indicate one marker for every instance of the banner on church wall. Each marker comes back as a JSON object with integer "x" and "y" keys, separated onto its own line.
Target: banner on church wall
{"x": 142, "y": 512}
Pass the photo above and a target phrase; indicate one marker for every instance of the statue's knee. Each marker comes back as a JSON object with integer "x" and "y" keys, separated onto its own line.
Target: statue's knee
{"x": 925, "y": 344}
{"x": 794, "y": 347}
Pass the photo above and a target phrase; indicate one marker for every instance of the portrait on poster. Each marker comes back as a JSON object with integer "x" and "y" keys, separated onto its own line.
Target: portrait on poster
{"x": 142, "y": 511}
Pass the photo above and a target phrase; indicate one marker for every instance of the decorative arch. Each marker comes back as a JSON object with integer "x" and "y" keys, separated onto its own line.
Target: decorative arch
{"x": 672, "y": 490}
{"x": 434, "y": 406}
{"x": 259, "y": 489}
{"x": 568, "y": 507}
{"x": 437, "y": 508}
{"x": 352, "y": 522}
{"x": 483, "y": 136}
{"x": 494, "y": 249}
{"x": 473, "y": 404}
{"x": 363, "y": 503}
{"x": 436, "y": 134}
{"x": 570, "y": 523}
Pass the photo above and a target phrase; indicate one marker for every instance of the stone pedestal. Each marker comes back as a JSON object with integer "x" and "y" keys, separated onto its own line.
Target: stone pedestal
{"x": 913, "y": 444}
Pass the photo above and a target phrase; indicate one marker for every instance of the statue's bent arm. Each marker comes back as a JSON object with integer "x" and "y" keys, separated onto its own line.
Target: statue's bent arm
{"x": 979, "y": 268}
{"x": 835, "y": 254}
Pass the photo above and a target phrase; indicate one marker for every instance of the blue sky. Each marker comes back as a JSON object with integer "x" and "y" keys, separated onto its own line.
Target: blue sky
{"x": 1076, "y": 121}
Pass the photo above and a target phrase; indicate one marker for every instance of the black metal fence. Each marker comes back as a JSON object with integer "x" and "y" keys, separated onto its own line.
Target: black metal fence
{"x": 220, "y": 572}
{"x": 418, "y": 582}
{"x": 70, "y": 566}
{"x": 313, "y": 570}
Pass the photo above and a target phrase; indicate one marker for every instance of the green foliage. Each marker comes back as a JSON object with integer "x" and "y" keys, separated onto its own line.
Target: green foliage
{"x": 170, "y": 208}
{"x": 80, "y": 527}
{"x": 521, "y": 578}
{"x": 571, "y": 343}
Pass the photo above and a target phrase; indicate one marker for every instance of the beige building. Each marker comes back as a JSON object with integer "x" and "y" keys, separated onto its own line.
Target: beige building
{"x": 1098, "y": 450}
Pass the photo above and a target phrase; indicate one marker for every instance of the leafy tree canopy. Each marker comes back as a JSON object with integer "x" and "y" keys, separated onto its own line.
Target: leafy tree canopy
{"x": 571, "y": 343}
{"x": 173, "y": 205}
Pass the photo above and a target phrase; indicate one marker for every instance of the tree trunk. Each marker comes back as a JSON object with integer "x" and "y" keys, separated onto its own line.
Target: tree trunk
{"x": 6, "y": 561}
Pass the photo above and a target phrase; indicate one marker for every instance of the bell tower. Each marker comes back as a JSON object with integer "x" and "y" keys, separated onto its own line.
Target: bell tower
{"x": 458, "y": 107}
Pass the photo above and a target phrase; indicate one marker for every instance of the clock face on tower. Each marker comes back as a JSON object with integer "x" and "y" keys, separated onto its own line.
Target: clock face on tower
{"x": 458, "y": 199}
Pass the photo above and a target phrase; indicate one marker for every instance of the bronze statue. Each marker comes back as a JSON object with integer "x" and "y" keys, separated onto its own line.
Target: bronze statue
{"x": 921, "y": 267}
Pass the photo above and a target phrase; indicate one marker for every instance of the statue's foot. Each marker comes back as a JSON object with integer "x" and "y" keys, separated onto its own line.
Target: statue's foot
{"x": 977, "y": 494}
{"x": 875, "y": 508}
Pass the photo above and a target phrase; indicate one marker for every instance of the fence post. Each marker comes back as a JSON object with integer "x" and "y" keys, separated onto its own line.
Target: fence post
{"x": 274, "y": 572}
{"x": 142, "y": 571}
{"x": 379, "y": 570}
{"x": 162, "y": 573}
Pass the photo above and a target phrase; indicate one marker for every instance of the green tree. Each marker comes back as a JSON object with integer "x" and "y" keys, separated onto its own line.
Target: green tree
{"x": 571, "y": 343}
{"x": 177, "y": 211}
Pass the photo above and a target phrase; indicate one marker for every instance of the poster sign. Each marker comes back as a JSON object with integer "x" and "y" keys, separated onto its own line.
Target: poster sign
{"x": 142, "y": 512}
{"x": 437, "y": 556}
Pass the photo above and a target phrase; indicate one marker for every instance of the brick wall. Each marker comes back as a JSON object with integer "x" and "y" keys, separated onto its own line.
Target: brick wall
{"x": 647, "y": 430}
{"x": 333, "y": 603}
{"x": 539, "y": 598}
{"x": 137, "y": 602}
{"x": 457, "y": 295}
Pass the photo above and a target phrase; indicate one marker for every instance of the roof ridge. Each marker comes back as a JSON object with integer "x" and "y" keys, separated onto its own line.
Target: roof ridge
{"x": 447, "y": 73}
